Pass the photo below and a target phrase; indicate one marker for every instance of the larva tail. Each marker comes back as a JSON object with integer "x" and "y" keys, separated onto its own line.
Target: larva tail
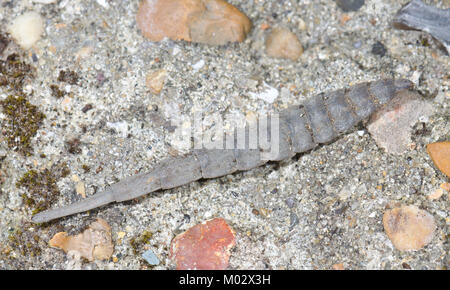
{"x": 86, "y": 204}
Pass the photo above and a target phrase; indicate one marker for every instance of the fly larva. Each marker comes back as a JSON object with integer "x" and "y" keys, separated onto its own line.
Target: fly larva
{"x": 301, "y": 128}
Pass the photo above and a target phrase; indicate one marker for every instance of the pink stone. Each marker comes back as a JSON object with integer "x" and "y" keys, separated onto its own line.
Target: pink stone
{"x": 205, "y": 246}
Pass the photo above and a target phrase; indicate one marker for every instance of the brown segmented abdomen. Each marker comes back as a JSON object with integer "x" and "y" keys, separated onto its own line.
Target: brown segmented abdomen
{"x": 300, "y": 128}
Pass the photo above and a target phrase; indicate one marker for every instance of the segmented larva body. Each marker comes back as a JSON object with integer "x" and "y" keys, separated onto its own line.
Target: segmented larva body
{"x": 319, "y": 119}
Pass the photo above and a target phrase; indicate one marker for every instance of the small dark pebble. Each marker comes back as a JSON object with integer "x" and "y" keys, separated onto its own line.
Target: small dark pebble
{"x": 350, "y": 5}
{"x": 379, "y": 49}
{"x": 87, "y": 108}
{"x": 234, "y": 193}
{"x": 34, "y": 57}
{"x": 406, "y": 266}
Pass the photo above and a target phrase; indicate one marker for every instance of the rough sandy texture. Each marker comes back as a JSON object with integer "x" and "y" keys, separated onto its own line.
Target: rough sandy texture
{"x": 320, "y": 209}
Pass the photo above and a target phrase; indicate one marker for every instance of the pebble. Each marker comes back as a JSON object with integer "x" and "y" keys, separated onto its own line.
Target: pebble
{"x": 379, "y": 49}
{"x": 301, "y": 24}
{"x": 155, "y": 80}
{"x": 282, "y": 43}
{"x": 408, "y": 227}
{"x": 80, "y": 189}
{"x": 339, "y": 266}
{"x": 214, "y": 22}
{"x": 205, "y": 246}
{"x": 396, "y": 119}
{"x": 436, "y": 194}
{"x": 94, "y": 243}
{"x": 440, "y": 154}
{"x": 349, "y": 5}
{"x": 27, "y": 29}
{"x": 290, "y": 202}
{"x": 357, "y": 44}
{"x": 150, "y": 258}
{"x": 445, "y": 186}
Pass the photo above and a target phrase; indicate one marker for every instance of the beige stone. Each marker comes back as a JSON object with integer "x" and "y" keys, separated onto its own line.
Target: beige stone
{"x": 408, "y": 227}
{"x": 282, "y": 43}
{"x": 155, "y": 80}
{"x": 214, "y": 22}
{"x": 94, "y": 243}
{"x": 436, "y": 194}
{"x": 80, "y": 189}
{"x": 338, "y": 266}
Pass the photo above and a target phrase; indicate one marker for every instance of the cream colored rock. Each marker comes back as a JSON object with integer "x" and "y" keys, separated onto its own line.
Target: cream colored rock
{"x": 80, "y": 189}
{"x": 213, "y": 22}
{"x": 408, "y": 227}
{"x": 282, "y": 43}
{"x": 94, "y": 243}
{"x": 155, "y": 80}
{"x": 436, "y": 194}
{"x": 27, "y": 29}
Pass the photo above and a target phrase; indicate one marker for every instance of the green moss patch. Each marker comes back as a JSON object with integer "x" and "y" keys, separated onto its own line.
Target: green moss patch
{"x": 23, "y": 121}
{"x": 42, "y": 190}
{"x": 13, "y": 72}
{"x": 137, "y": 243}
{"x": 24, "y": 242}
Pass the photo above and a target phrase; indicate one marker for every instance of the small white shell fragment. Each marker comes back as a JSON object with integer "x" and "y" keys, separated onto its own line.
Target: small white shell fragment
{"x": 198, "y": 65}
{"x": 103, "y": 3}
{"x": 269, "y": 94}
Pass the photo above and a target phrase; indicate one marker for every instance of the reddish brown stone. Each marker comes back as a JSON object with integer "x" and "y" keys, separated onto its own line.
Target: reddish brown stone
{"x": 205, "y": 246}
{"x": 440, "y": 154}
{"x": 214, "y": 22}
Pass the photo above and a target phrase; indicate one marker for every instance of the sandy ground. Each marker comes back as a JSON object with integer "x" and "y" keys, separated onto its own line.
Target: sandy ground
{"x": 316, "y": 210}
